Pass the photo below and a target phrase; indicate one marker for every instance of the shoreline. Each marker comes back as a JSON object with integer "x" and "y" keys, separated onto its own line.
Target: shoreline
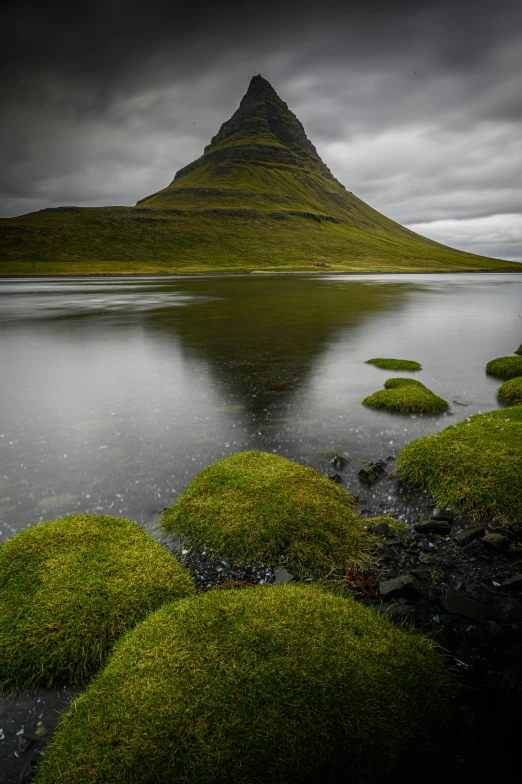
{"x": 245, "y": 274}
{"x": 438, "y": 578}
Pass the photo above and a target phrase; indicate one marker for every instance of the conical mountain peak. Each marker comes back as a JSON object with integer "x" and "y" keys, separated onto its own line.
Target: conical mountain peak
{"x": 262, "y": 112}
{"x": 259, "y": 198}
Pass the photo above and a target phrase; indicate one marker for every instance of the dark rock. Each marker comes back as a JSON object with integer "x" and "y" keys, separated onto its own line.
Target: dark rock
{"x": 510, "y": 610}
{"x": 282, "y": 575}
{"x": 381, "y": 529}
{"x": 367, "y": 476}
{"x": 459, "y": 604}
{"x": 513, "y": 582}
{"x": 401, "y": 610}
{"x": 425, "y": 558}
{"x": 495, "y": 629}
{"x": 495, "y": 541}
{"x": 465, "y": 537}
{"x": 440, "y": 527}
{"x": 380, "y": 609}
{"x": 24, "y": 743}
{"x": 420, "y": 574}
{"x": 441, "y": 514}
{"x": 339, "y": 462}
{"x": 399, "y": 586}
{"x": 335, "y": 478}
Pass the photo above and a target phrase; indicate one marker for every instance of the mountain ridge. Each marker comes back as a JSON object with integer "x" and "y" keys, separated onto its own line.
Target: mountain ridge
{"x": 259, "y": 198}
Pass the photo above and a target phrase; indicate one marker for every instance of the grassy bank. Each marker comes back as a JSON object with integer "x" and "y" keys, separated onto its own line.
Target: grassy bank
{"x": 255, "y": 506}
{"x": 69, "y": 588}
{"x": 283, "y": 684}
{"x": 473, "y": 467}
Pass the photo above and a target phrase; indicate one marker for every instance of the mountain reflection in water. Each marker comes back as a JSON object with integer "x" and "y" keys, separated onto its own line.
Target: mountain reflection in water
{"x": 116, "y": 392}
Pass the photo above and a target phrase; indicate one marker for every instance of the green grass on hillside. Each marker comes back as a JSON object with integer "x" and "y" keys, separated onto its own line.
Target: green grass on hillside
{"x": 511, "y": 391}
{"x": 519, "y": 349}
{"x": 394, "y": 364}
{"x": 256, "y": 506}
{"x": 473, "y": 467}
{"x": 69, "y": 588}
{"x": 406, "y": 396}
{"x": 505, "y": 367}
{"x": 279, "y": 684}
{"x": 123, "y": 240}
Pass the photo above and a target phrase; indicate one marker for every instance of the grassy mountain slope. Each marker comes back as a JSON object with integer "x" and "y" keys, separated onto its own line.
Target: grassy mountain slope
{"x": 258, "y": 199}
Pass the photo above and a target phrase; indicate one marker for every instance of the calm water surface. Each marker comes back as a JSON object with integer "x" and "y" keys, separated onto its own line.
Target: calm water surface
{"x": 116, "y": 392}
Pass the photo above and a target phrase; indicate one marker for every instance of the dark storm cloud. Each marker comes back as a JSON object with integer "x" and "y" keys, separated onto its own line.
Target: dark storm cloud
{"x": 416, "y": 107}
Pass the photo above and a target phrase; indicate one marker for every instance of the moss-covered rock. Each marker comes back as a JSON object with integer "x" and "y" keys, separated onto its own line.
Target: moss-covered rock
{"x": 284, "y": 684}
{"x": 406, "y": 396}
{"x": 511, "y": 391}
{"x": 394, "y": 364}
{"x": 505, "y": 367}
{"x": 473, "y": 467}
{"x": 254, "y": 506}
{"x": 69, "y": 588}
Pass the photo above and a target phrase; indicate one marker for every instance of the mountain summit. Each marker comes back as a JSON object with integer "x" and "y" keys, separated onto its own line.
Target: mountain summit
{"x": 263, "y": 133}
{"x": 258, "y": 199}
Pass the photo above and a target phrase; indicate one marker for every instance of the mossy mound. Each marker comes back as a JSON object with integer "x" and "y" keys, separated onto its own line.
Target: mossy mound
{"x": 473, "y": 467}
{"x": 519, "y": 350}
{"x": 394, "y": 364}
{"x": 505, "y": 367}
{"x": 69, "y": 588}
{"x": 511, "y": 391}
{"x": 284, "y": 684}
{"x": 406, "y": 396}
{"x": 254, "y": 506}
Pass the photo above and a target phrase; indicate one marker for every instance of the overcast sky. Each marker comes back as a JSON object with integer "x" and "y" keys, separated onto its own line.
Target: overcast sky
{"x": 415, "y": 106}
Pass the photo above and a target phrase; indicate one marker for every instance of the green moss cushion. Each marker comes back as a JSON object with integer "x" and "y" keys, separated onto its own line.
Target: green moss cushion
{"x": 279, "y": 684}
{"x": 473, "y": 467}
{"x": 394, "y": 364}
{"x": 511, "y": 391}
{"x": 505, "y": 367}
{"x": 254, "y": 506}
{"x": 406, "y": 396}
{"x": 69, "y": 588}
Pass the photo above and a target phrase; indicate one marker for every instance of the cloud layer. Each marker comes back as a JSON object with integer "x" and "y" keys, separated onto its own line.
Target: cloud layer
{"x": 414, "y": 106}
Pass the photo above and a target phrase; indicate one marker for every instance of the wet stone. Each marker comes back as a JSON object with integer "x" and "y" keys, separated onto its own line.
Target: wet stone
{"x": 398, "y": 586}
{"x": 468, "y": 534}
{"x": 440, "y": 527}
{"x": 441, "y": 514}
{"x": 513, "y": 582}
{"x": 459, "y": 604}
{"x": 339, "y": 462}
{"x": 335, "y": 478}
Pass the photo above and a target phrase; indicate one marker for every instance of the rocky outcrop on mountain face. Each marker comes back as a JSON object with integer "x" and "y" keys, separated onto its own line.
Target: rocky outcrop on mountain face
{"x": 261, "y": 113}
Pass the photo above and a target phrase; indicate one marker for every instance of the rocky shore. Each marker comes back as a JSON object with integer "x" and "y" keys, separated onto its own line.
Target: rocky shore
{"x": 455, "y": 581}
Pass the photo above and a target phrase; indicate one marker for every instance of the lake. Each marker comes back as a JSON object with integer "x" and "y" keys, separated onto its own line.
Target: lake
{"x": 117, "y": 391}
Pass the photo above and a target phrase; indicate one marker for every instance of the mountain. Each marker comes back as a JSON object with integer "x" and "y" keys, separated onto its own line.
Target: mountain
{"x": 259, "y": 199}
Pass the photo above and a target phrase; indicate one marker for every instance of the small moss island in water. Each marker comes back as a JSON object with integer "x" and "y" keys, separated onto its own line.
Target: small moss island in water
{"x": 511, "y": 391}
{"x": 505, "y": 367}
{"x": 255, "y": 506}
{"x": 394, "y": 364}
{"x": 473, "y": 467}
{"x": 69, "y": 588}
{"x": 281, "y": 684}
{"x": 406, "y": 396}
